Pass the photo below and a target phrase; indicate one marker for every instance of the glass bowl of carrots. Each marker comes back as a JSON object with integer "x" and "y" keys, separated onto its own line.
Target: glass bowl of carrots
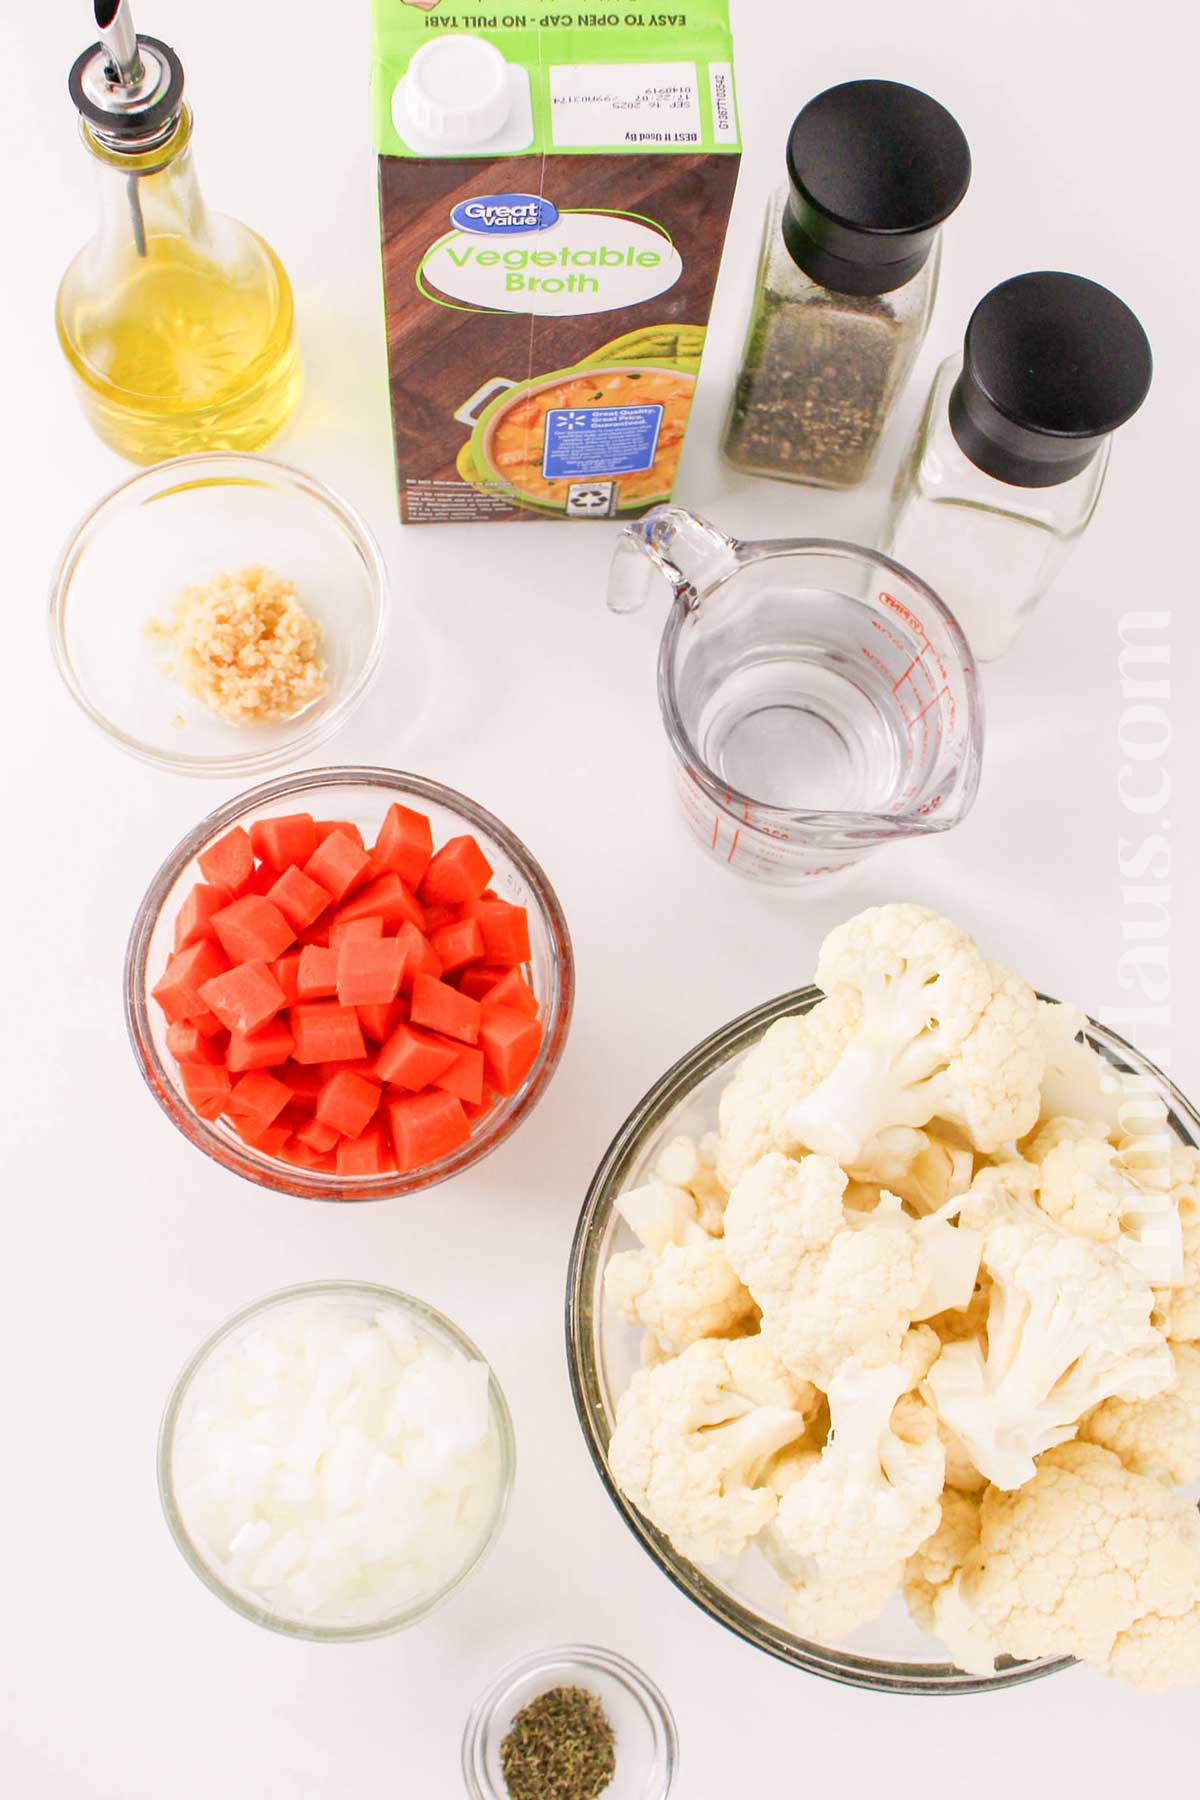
{"x": 348, "y": 984}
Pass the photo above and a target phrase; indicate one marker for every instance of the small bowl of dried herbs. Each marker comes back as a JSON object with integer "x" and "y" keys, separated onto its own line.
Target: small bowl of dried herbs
{"x": 574, "y": 1723}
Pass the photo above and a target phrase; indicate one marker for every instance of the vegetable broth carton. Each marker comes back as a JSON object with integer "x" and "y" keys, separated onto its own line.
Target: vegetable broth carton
{"x": 554, "y": 192}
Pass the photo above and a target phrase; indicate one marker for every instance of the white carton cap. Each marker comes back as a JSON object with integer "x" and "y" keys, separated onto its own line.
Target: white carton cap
{"x": 456, "y": 92}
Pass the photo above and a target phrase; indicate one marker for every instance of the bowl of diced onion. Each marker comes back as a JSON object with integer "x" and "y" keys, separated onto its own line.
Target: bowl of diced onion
{"x": 745, "y": 1593}
{"x": 335, "y": 1461}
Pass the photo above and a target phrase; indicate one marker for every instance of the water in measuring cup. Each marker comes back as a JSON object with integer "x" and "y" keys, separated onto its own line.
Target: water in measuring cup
{"x": 801, "y": 718}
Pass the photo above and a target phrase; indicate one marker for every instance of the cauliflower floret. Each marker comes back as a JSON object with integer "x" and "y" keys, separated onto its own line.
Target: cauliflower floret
{"x": 938, "y": 1173}
{"x": 1177, "y": 1307}
{"x": 1160, "y": 1436}
{"x": 789, "y": 1060}
{"x": 934, "y": 1565}
{"x": 833, "y": 1283}
{"x": 827, "y": 1610}
{"x": 1087, "y": 1185}
{"x": 1161, "y": 1650}
{"x": 943, "y": 1035}
{"x": 691, "y": 1447}
{"x": 1088, "y": 1560}
{"x": 679, "y": 1286}
{"x": 1068, "y": 1326}
{"x": 874, "y": 1493}
{"x": 692, "y": 1166}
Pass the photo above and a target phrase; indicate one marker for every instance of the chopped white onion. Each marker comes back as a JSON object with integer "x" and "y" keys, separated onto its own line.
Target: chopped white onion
{"x": 334, "y": 1466}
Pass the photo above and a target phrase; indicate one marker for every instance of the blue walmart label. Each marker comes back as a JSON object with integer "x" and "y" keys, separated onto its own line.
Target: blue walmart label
{"x": 503, "y": 215}
{"x": 600, "y": 440}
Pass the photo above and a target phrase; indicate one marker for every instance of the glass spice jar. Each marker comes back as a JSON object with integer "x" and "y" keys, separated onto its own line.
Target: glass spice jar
{"x": 846, "y": 281}
{"x": 1006, "y": 467}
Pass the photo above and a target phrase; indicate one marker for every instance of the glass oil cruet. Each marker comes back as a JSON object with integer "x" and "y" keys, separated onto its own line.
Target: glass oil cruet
{"x": 177, "y": 321}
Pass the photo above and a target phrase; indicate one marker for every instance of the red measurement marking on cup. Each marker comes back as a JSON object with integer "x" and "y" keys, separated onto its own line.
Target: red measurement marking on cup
{"x": 941, "y": 693}
{"x": 737, "y": 834}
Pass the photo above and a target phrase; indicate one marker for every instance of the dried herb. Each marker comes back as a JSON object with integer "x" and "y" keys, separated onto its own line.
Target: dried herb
{"x": 815, "y": 386}
{"x": 559, "y": 1747}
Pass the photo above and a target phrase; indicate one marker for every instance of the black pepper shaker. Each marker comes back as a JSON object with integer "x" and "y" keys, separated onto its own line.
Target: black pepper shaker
{"x": 846, "y": 281}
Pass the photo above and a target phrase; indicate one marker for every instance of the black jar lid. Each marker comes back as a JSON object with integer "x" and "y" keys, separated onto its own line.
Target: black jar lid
{"x": 875, "y": 168}
{"x": 1052, "y": 364}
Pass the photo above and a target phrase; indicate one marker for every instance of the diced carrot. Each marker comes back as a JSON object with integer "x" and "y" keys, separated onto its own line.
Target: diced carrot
{"x": 444, "y": 1009}
{"x": 262, "y": 1049}
{"x": 510, "y": 1041}
{"x": 258, "y": 1098}
{"x": 338, "y": 862}
{"x": 286, "y": 841}
{"x": 305, "y": 1081}
{"x": 187, "y": 1043}
{"x": 405, "y": 844}
{"x": 326, "y": 828}
{"x": 299, "y": 898}
{"x": 505, "y": 929}
{"x": 413, "y": 1059}
{"x": 178, "y": 988}
{"x": 261, "y": 882}
{"x": 194, "y": 918}
{"x": 230, "y": 861}
{"x": 388, "y": 897}
{"x": 369, "y": 973}
{"x": 286, "y": 970}
{"x": 458, "y": 871}
{"x": 438, "y": 916}
{"x": 270, "y": 1139}
{"x": 207, "y": 1088}
{"x": 317, "y": 978}
{"x": 304, "y": 1158}
{"x": 326, "y": 1032}
{"x": 458, "y": 944}
{"x": 464, "y": 1077}
{"x": 425, "y": 1127}
{"x": 370, "y": 929}
{"x": 251, "y": 928}
{"x": 347, "y": 1103}
{"x": 379, "y": 1022}
{"x": 420, "y": 957}
{"x": 317, "y": 1136}
{"x": 514, "y": 991}
{"x": 366, "y": 1154}
{"x": 480, "y": 980}
{"x": 244, "y": 998}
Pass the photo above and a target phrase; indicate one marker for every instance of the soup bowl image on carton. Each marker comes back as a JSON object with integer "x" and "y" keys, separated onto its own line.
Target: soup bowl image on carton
{"x": 553, "y": 205}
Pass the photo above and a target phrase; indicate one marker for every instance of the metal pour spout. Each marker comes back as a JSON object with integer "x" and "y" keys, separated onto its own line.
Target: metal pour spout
{"x": 114, "y": 25}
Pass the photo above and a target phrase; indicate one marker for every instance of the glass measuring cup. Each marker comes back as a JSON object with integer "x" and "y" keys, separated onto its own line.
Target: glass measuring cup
{"x": 819, "y": 699}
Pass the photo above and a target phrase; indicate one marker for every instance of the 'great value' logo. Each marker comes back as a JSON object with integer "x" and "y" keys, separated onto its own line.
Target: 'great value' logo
{"x": 504, "y": 215}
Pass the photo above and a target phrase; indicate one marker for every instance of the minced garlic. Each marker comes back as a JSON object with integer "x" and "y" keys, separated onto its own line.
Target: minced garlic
{"x": 246, "y": 647}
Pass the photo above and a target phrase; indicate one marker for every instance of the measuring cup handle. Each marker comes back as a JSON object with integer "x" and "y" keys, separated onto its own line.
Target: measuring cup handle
{"x": 468, "y": 413}
{"x": 673, "y": 543}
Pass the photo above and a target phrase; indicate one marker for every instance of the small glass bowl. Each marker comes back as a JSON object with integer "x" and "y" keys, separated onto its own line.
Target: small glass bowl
{"x": 178, "y": 524}
{"x": 370, "y": 1299}
{"x": 361, "y": 795}
{"x": 647, "y": 1746}
{"x": 890, "y": 1655}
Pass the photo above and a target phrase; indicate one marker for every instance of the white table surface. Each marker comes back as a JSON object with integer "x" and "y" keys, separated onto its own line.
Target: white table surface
{"x": 120, "y": 1677}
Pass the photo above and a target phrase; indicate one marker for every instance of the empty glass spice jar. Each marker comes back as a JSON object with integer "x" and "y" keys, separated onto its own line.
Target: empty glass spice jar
{"x": 846, "y": 281}
{"x": 1006, "y": 467}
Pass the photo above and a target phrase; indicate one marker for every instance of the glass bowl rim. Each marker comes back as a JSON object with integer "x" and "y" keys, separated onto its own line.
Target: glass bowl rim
{"x": 112, "y": 503}
{"x": 651, "y": 1110}
{"x": 442, "y": 1327}
{"x": 611, "y": 1663}
{"x": 241, "y": 1159}
{"x": 854, "y": 828}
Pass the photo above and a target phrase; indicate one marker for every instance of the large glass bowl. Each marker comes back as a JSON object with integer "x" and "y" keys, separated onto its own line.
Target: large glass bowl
{"x": 365, "y": 1299}
{"x": 179, "y": 524}
{"x": 891, "y": 1655}
{"x": 362, "y": 796}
